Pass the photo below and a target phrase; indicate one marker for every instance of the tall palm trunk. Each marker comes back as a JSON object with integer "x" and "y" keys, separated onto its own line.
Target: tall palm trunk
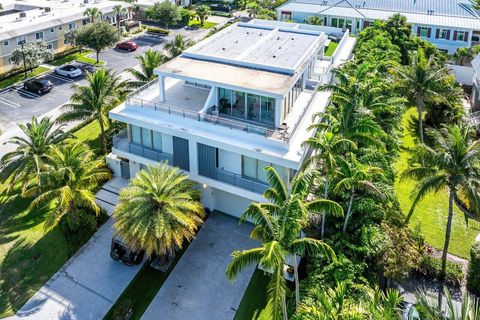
{"x": 325, "y": 196}
{"x": 297, "y": 281}
{"x": 420, "y": 108}
{"x": 284, "y": 308}
{"x": 103, "y": 138}
{"x": 441, "y": 283}
{"x": 349, "y": 210}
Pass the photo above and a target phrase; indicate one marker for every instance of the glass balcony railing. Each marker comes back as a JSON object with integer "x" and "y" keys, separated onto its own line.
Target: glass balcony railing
{"x": 120, "y": 142}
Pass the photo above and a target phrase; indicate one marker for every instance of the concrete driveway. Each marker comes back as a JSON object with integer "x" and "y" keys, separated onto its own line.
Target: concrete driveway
{"x": 197, "y": 288}
{"x": 88, "y": 285}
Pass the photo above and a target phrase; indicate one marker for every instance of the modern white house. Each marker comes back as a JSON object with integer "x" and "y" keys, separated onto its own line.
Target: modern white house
{"x": 229, "y": 106}
{"x": 448, "y": 24}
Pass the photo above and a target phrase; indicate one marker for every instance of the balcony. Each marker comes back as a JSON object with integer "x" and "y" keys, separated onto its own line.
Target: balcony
{"x": 120, "y": 142}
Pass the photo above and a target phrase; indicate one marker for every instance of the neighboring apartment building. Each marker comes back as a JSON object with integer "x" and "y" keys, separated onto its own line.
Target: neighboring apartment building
{"x": 228, "y": 107}
{"x": 47, "y": 20}
{"x": 449, "y": 24}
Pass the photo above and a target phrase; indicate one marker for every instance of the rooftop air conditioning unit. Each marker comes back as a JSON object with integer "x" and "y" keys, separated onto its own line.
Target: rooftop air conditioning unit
{"x": 47, "y": 9}
{"x": 85, "y": 1}
{"x": 22, "y": 15}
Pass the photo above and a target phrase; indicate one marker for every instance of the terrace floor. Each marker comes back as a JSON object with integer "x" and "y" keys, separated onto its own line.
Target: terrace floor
{"x": 177, "y": 94}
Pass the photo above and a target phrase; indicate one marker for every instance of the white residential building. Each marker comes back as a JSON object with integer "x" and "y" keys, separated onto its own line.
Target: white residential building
{"x": 448, "y": 24}
{"x": 229, "y": 106}
{"x": 23, "y": 21}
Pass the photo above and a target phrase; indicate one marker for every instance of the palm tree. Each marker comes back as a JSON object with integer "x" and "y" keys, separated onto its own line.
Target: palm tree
{"x": 452, "y": 163}
{"x": 92, "y": 13}
{"x": 203, "y": 12}
{"x": 176, "y": 46}
{"x": 356, "y": 96}
{"x": 70, "y": 176}
{"x": 253, "y": 9}
{"x": 315, "y": 20}
{"x": 422, "y": 81}
{"x": 158, "y": 210}
{"x": 278, "y": 224}
{"x": 327, "y": 147}
{"x": 354, "y": 177}
{"x": 469, "y": 309}
{"x": 119, "y": 10}
{"x": 104, "y": 91}
{"x": 150, "y": 60}
{"x": 32, "y": 150}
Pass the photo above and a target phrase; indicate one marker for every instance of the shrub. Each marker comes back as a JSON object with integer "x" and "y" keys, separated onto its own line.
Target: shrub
{"x": 185, "y": 16}
{"x": 123, "y": 310}
{"x": 430, "y": 267}
{"x": 159, "y": 31}
{"x": 473, "y": 273}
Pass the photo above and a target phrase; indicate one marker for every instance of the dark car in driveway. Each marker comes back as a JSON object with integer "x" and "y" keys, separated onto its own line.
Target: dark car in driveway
{"x": 120, "y": 251}
{"x": 38, "y": 86}
{"x": 127, "y": 45}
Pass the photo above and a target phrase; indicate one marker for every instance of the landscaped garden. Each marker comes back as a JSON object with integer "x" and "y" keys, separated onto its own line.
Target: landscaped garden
{"x": 430, "y": 215}
{"x": 7, "y": 82}
{"x": 29, "y": 256}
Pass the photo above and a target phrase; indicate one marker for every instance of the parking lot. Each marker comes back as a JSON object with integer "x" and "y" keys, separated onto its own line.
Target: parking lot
{"x": 19, "y": 105}
{"x": 119, "y": 60}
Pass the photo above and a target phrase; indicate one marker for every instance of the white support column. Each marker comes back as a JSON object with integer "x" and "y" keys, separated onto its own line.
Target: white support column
{"x": 193, "y": 157}
{"x": 278, "y": 110}
{"x": 161, "y": 83}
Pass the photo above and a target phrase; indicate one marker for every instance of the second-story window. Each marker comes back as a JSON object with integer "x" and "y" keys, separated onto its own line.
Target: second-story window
{"x": 52, "y": 30}
{"x": 6, "y": 43}
{"x": 146, "y": 138}
{"x": 443, "y": 34}
{"x": 254, "y": 168}
{"x": 39, "y": 35}
{"x": 71, "y": 26}
{"x": 21, "y": 40}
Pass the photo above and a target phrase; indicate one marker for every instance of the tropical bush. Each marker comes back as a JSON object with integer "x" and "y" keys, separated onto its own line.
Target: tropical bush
{"x": 430, "y": 267}
{"x": 160, "y": 31}
{"x": 473, "y": 273}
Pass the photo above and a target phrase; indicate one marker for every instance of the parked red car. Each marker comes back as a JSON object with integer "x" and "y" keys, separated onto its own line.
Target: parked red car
{"x": 127, "y": 45}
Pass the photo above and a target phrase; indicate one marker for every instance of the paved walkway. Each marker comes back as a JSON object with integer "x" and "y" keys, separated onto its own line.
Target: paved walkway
{"x": 89, "y": 283}
{"x": 197, "y": 288}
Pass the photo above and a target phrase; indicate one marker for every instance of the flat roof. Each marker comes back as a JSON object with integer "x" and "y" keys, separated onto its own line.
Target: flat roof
{"x": 38, "y": 19}
{"x": 220, "y": 73}
{"x": 264, "y": 46}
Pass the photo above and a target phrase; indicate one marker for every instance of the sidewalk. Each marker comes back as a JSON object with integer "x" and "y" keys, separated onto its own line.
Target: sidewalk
{"x": 88, "y": 285}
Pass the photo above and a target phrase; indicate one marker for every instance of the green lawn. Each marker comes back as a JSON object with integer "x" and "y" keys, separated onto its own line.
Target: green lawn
{"x": 19, "y": 77}
{"x": 196, "y": 24}
{"x": 79, "y": 56}
{"x": 331, "y": 48}
{"x": 431, "y": 213}
{"x": 254, "y": 300}
{"x": 143, "y": 289}
{"x": 28, "y": 255}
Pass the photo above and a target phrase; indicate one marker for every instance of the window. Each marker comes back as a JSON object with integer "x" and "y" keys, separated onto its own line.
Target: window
{"x": 6, "y": 43}
{"x": 146, "y": 138}
{"x": 52, "y": 30}
{"x": 49, "y": 46}
{"x": 442, "y": 34}
{"x": 285, "y": 15}
{"x": 60, "y": 27}
{"x": 255, "y": 169}
{"x": 39, "y": 35}
{"x": 71, "y": 26}
{"x": 247, "y": 106}
{"x": 21, "y": 40}
{"x": 84, "y": 21}
{"x": 461, "y": 36}
{"x": 424, "y": 32}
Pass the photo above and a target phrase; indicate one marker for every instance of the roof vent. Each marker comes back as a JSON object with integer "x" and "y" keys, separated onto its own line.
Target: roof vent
{"x": 278, "y": 38}
{"x": 279, "y": 48}
{"x": 293, "y": 38}
{"x": 260, "y": 34}
{"x": 223, "y": 48}
{"x": 274, "y": 56}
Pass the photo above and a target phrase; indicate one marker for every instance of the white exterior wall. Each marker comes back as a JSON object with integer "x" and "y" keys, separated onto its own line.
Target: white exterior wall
{"x": 229, "y": 203}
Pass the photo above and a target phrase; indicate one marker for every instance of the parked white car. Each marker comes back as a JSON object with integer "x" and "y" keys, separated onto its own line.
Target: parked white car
{"x": 69, "y": 71}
